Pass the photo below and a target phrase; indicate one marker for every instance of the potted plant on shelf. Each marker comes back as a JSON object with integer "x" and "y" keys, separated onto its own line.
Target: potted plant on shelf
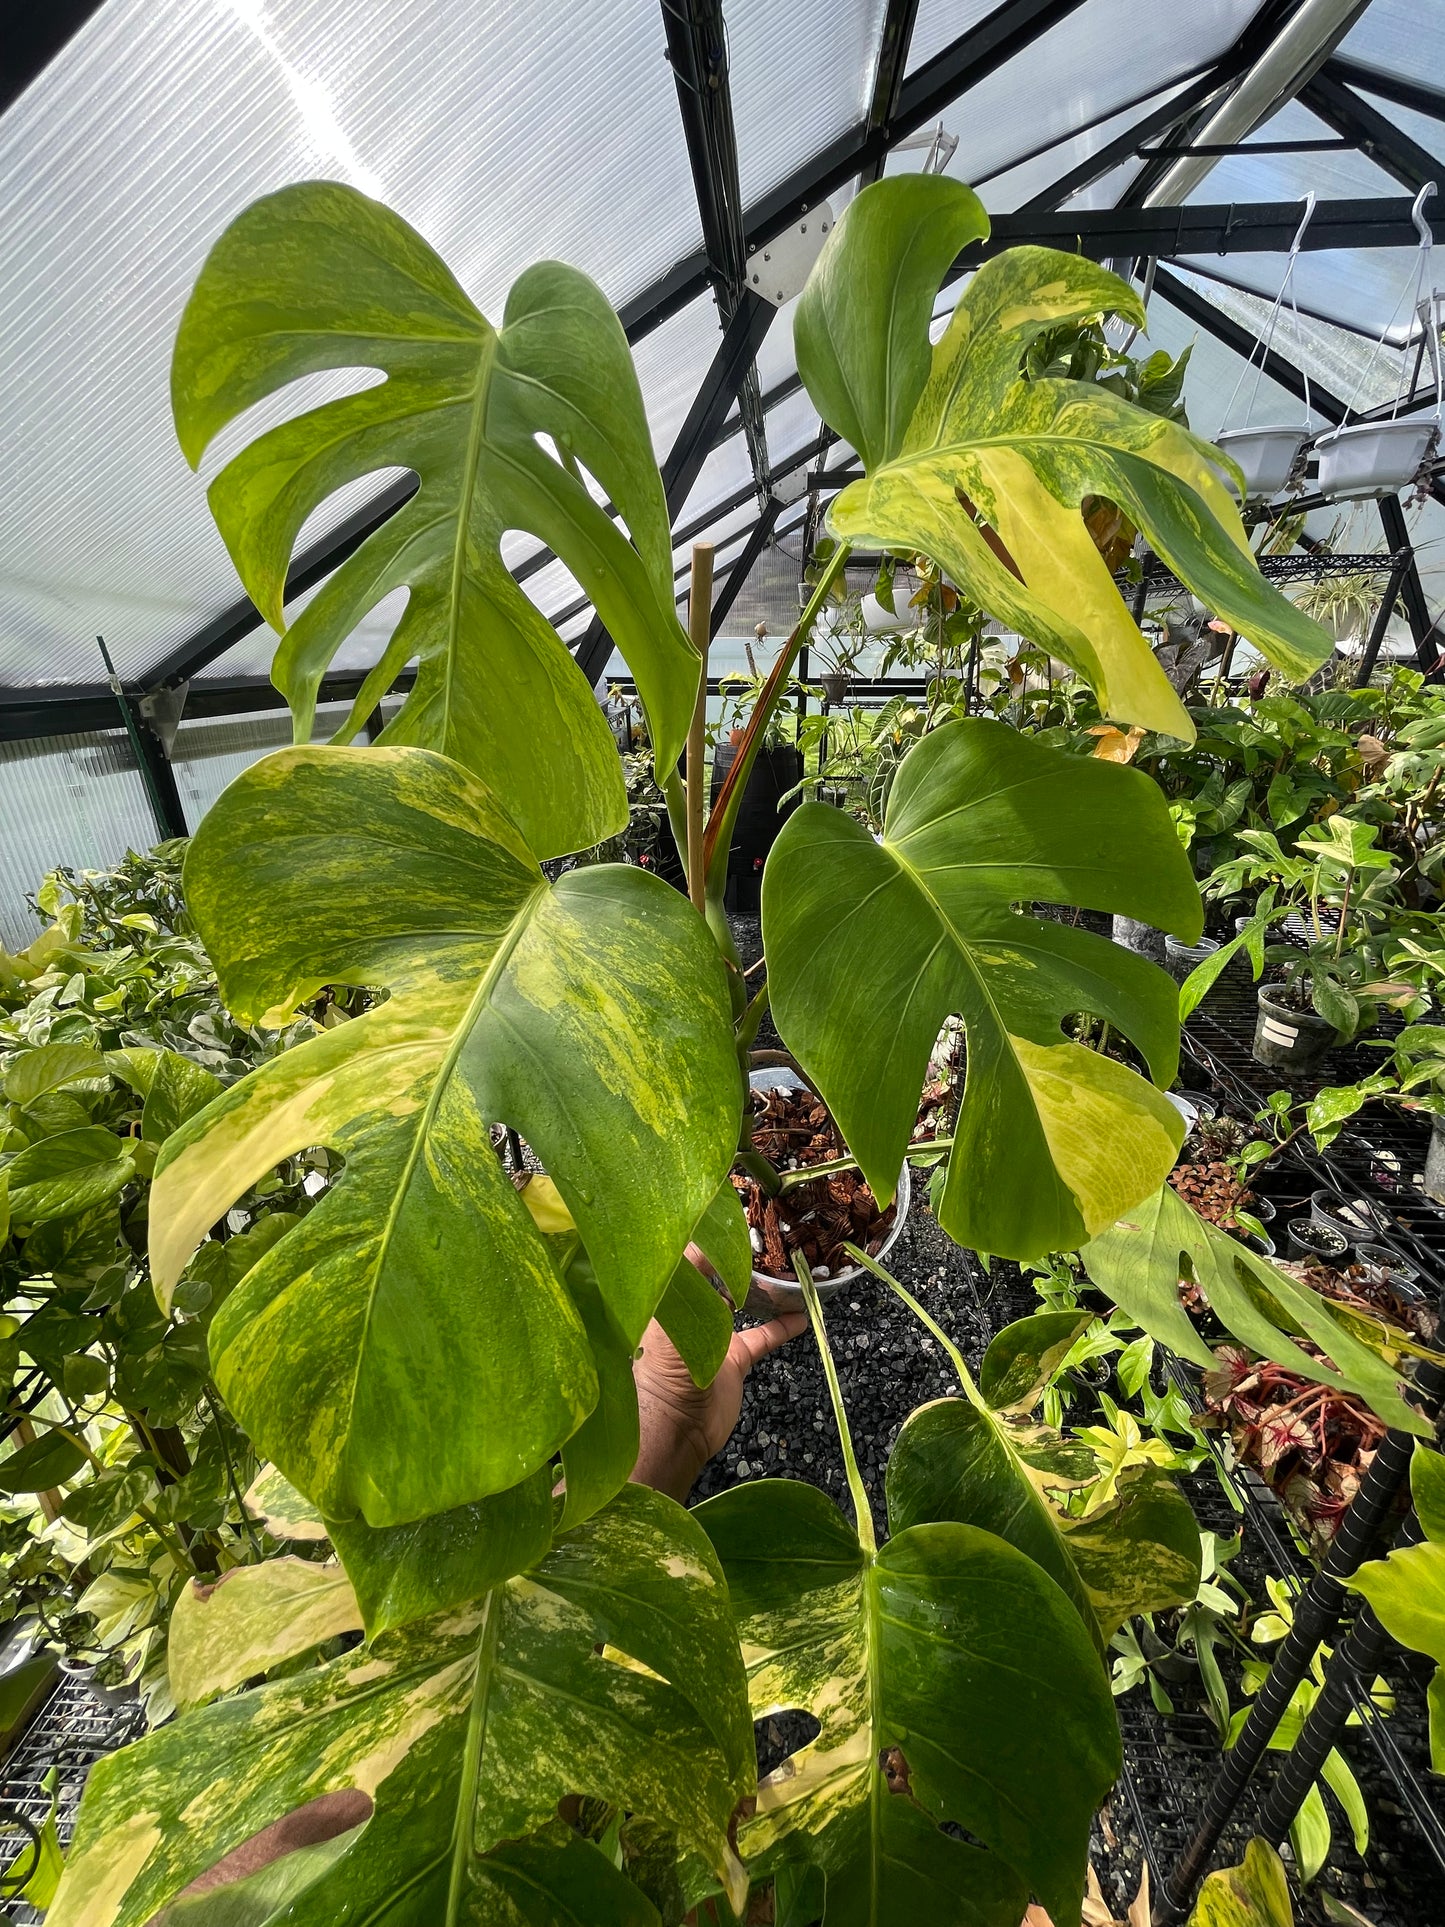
{"x": 439, "y": 1364}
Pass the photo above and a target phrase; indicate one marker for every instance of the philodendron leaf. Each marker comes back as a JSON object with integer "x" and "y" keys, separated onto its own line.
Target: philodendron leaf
{"x": 611, "y": 1671}
{"x": 319, "y": 277}
{"x": 871, "y": 945}
{"x": 1140, "y": 1262}
{"x": 411, "y": 1345}
{"x": 65, "y": 1175}
{"x": 952, "y": 432}
{"x": 250, "y": 1621}
{"x": 955, "y": 1649}
{"x": 272, "y": 1500}
{"x": 1407, "y": 1588}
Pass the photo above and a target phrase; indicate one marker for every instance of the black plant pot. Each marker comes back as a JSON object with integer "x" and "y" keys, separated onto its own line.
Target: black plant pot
{"x": 761, "y": 814}
{"x": 1308, "y": 1238}
{"x": 1286, "y": 1039}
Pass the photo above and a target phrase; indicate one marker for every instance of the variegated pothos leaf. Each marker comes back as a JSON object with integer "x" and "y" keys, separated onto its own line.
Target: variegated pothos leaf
{"x": 611, "y": 1670}
{"x": 951, "y": 432}
{"x": 411, "y": 1345}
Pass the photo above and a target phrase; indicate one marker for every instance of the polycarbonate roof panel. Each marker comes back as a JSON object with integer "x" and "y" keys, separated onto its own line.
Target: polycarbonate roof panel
{"x": 1400, "y": 37}
{"x": 504, "y": 134}
{"x": 1103, "y": 55}
{"x": 800, "y": 75}
{"x": 1013, "y": 186}
{"x": 1358, "y": 288}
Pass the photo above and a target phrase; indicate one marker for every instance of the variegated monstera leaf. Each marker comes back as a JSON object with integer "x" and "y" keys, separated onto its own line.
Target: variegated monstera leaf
{"x": 499, "y": 427}
{"x": 952, "y": 1681}
{"x": 413, "y": 1344}
{"x": 983, "y": 1460}
{"x": 985, "y": 472}
{"x": 871, "y": 945}
{"x": 611, "y": 1670}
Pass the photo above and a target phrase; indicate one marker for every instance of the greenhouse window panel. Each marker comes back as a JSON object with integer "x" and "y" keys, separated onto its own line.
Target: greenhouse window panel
{"x": 800, "y": 77}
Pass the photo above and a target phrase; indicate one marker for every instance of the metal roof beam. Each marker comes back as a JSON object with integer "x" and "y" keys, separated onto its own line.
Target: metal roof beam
{"x": 1396, "y": 87}
{"x": 1374, "y": 133}
{"x": 32, "y": 36}
{"x": 889, "y": 69}
{"x": 1236, "y": 227}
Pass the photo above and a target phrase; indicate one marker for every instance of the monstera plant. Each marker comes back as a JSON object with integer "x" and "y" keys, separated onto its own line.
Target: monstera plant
{"x": 548, "y": 1720}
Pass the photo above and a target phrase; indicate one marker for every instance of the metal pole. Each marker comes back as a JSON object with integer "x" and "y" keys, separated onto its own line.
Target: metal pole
{"x": 1316, "y": 1616}
{"x": 699, "y": 622}
{"x": 1393, "y": 585}
{"x": 163, "y": 817}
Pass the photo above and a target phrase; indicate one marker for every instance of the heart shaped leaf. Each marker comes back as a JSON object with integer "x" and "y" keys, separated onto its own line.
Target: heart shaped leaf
{"x": 320, "y": 277}
{"x": 611, "y": 1670}
{"x": 987, "y": 472}
{"x": 411, "y": 1345}
{"x": 871, "y": 945}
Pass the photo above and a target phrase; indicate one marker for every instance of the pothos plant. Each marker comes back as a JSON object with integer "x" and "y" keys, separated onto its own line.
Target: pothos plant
{"x": 549, "y": 1718}
{"x": 127, "y": 1472}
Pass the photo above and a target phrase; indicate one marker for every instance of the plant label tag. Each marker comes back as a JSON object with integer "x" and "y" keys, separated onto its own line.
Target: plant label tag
{"x": 1277, "y": 1033}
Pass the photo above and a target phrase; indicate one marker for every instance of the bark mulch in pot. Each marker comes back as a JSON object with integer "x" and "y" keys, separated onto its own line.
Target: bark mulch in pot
{"x": 792, "y": 1129}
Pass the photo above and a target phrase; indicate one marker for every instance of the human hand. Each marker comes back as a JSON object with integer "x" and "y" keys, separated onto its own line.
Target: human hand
{"x": 682, "y": 1425}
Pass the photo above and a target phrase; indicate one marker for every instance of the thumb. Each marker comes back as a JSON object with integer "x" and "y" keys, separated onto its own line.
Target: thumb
{"x": 756, "y": 1342}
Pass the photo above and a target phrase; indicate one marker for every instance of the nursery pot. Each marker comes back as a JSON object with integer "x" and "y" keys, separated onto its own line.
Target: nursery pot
{"x": 1142, "y": 938}
{"x": 1308, "y": 1238}
{"x": 1372, "y": 458}
{"x": 834, "y": 687}
{"x": 1385, "y": 1259}
{"x": 1265, "y": 454}
{"x": 761, "y": 814}
{"x": 1181, "y": 958}
{"x": 1286, "y": 1039}
{"x": 1435, "y": 1161}
{"x": 770, "y": 1296}
{"x": 1329, "y": 1210}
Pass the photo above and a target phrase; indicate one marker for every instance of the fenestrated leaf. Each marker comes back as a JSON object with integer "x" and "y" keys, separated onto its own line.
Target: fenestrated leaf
{"x": 973, "y": 436}
{"x": 63, "y": 1176}
{"x": 1139, "y": 1554}
{"x": 1140, "y": 1262}
{"x": 1023, "y": 1357}
{"x": 281, "y": 1509}
{"x": 252, "y": 1620}
{"x": 612, "y": 1671}
{"x": 411, "y": 1345}
{"x": 598, "y": 1458}
{"x": 50, "y": 1067}
{"x": 949, "y": 1645}
{"x": 318, "y": 277}
{"x": 871, "y": 945}
{"x": 407, "y": 1572}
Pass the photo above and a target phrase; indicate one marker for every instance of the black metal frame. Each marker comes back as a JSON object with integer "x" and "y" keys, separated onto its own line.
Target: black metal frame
{"x": 32, "y": 36}
{"x": 1376, "y": 136}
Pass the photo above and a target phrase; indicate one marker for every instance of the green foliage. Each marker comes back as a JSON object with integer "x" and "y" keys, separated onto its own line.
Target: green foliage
{"x": 971, "y": 464}
{"x": 872, "y": 944}
{"x": 1407, "y": 1588}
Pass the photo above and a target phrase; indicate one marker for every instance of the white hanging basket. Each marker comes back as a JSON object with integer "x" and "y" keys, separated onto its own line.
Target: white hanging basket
{"x": 1266, "y": 455}
{"x": 1373, "y": 458}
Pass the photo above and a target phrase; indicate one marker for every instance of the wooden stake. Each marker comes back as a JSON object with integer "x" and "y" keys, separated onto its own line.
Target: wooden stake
{"x": 699, "y": 622}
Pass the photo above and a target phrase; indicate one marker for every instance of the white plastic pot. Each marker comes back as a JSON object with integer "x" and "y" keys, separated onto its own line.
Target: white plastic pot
{"x": 777, "y": 1293}
{"x": 1372, "y": 458}
{"x": 1265, "y": 454}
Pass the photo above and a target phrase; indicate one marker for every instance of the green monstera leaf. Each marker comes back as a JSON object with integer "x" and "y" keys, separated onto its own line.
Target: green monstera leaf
{"x": 1141, "y": 1260}
{"x": 611, "y": 1670}
{"x": 1407, "y": 1588}
{"x": 411, "y": 1345}
{"x": 982, "y": 1461}
{"x": 871, "y": 945}
{"x": 986, "y": 472}
{"x": 946, "y": 1660}
{"x": 319, "y": 277}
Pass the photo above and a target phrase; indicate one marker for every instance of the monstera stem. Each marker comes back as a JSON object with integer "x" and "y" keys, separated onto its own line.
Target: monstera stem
{"x": 724, "y": 815}
{"x": 862, "y": 1510}
{"x": 465, "y": 1821}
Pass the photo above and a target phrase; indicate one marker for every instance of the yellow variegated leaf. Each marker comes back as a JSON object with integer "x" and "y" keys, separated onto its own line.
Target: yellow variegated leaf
{"x": 411, "y": 1345}
{"x": 250, "y": 1621}
{"x": 957, "y": 442}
